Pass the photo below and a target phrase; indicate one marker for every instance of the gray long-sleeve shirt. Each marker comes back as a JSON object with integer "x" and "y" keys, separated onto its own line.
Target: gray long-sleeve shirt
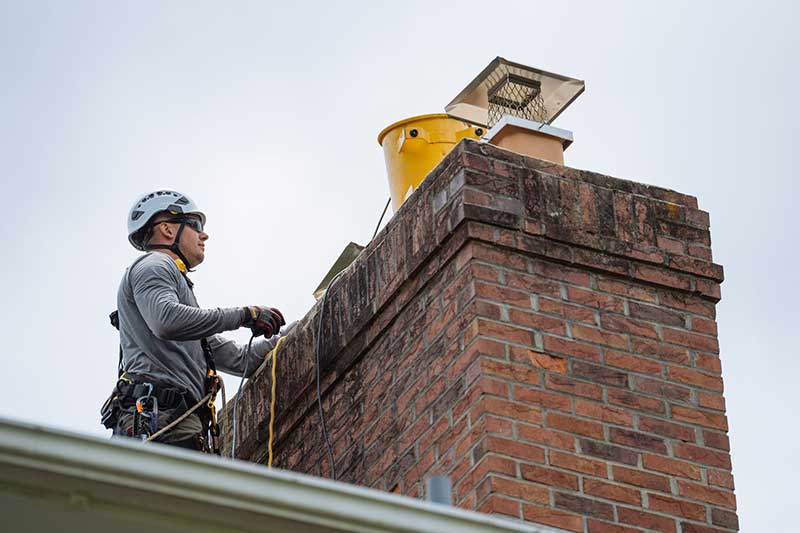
{"x": 161, "y": 324}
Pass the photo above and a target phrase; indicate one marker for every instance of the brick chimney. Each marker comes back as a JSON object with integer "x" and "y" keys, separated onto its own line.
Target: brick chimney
{"x": 544, "y": 336}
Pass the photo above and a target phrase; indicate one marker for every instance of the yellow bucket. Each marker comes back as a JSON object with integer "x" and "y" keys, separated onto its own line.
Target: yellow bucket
{"x": 414, "y": 146}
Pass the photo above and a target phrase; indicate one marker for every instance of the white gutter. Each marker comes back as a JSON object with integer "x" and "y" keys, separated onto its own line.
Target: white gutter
{"x": 55, "y": 480}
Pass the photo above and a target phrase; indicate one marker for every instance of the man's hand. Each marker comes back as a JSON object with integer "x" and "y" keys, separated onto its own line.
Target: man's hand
{"x": 262, "y": 320}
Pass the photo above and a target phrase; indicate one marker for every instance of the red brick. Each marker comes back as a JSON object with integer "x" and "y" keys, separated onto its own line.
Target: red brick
{"x": 648, "y": 521}
{"x": 506, "y": 408}
{"x": 609, "y": 452}
{"x": 498, "y": 426}
{"x": 706, "y": 494}
{"x": 698, "y": 250}
{"x": 560, "y": 272}
{"x": 662, "y": 389}
{"x": 513, "y": 448}
{"x": 692, "y": 340}
{"x": 502, "y": 294}
{"x": 534, "y": 227}
{"x": 505, "y": 332}
{"x": 571, "y": 312}
{"x": 548, "y": 476}
{"x": 489, "y": 464}
{"x": 539, "y": 359}
{"x": 688, "y": 527}
{"x": 534, "y": 284}
{"x": 510, "y": 371}
{"x": 701, "y": 418}
{"x": 693, "y": 377}
{"x": 599, "y": 374}
{"x": 599, "y": 336}
{"x": 605, "y": 527}
{"x": 379, "y": 427}
{"x": 659, "y": 350}
{"x": 680, "y": 508}
{"x": 709, "y": 362}
{"x": 709, "y": 289}
{"x": 672, "y": 467}
{"x": 552, "y": 517}
{"x": 611, "y": 491}
{"x": 629, "y": 290}
{"x": 627, "y": 325}
{"x": 542, "y": 398}
{"x": 430, "y": 395}
{"x": 657, "y": 314}
{"x": 410, "y": 436}
{"x": 719, "y": 478}
{"x": 574, "y": 425}
{"x": 475, "y": 390}
{"x": 496, "y": 504}
{"x": 517, "y": 489}
{"x": 494, "y": 255}
{"x": 595, "y": 299}
{"x": 603, "y": 412}
{"x": 634, "y": 439}
{"x": 704, "y": 325}
{"x": 703, "y": 455}
{"x": 419, "y": 468}
{"x": 719, "y": 441}
{"x": 570, "y": 386}
{"x": 409, "y": 394}
{"x": 641, "y": 479}
{"x": 488, "y": 385}
{"x": 667, "y": 429}
{"x": 723, "y": 518}
{"x": 430, "y": 436}
{"x": 635, "y": 401}
{"x": 575, "y": 349}
{"x": 662, "y": 276}
{"x": 477, "y": 348}
{"x": 578, "y": 464}
{"x": 484, "y": 272}
{"x": 537, "y": 321}
{"x": 711, "y": 401}
{"x": 545, "y": 436}
{"x": 685, "y": 302}
{"x": 631, "y": 362}
{"x": 673, "y": 246}
{"x": 584, "y": 506}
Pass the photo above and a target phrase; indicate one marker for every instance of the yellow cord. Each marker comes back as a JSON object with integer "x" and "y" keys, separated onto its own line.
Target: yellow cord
{"x": 274, "y": 354}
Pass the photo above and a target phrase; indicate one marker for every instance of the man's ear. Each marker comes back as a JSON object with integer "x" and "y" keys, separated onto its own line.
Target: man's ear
{"x": 164, "y": 230}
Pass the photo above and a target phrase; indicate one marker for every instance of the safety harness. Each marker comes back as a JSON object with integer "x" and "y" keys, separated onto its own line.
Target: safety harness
{"x": 143, "y": 398}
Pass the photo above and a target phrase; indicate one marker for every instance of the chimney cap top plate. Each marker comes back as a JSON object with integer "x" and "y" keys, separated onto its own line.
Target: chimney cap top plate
{"x": 472, "y": 103}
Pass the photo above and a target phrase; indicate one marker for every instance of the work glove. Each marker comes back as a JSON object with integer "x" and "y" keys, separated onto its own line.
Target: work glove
{"x": 262, "y": 320}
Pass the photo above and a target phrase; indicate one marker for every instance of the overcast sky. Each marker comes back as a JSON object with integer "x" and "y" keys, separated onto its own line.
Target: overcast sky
{"x": 267, "y": 116}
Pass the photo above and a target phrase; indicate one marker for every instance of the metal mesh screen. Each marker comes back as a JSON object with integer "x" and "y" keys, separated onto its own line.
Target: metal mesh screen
{"x": 514, "y": 95}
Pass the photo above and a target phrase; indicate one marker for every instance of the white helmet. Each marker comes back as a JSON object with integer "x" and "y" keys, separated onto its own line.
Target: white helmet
{"x": 155, "y": 202}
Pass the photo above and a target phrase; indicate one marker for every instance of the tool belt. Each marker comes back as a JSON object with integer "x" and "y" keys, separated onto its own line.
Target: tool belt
{"x": 168, "y": 397}
{"x": 144, "y": 399}
{"x": 130, "y": 389}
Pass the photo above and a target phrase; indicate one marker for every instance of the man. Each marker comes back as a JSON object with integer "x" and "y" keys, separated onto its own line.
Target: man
{"x": 169, "y": 346}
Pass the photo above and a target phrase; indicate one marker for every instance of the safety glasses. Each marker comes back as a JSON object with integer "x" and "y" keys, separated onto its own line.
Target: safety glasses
{"x": 194, "y": 223}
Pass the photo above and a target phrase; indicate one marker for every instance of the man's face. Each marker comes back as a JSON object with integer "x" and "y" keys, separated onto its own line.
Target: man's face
{"x": 193, "y": 243}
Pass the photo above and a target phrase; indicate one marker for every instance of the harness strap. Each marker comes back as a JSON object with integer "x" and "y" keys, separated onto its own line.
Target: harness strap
{"x": 175, "y": 248}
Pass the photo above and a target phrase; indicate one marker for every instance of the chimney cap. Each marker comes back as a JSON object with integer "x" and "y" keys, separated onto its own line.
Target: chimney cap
{"x": 556, "y": 91}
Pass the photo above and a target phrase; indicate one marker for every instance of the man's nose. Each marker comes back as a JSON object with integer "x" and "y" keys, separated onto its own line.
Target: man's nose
{"x": 203, "y": 236}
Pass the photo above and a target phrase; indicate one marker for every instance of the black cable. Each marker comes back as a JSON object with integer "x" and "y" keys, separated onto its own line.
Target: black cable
{"x": 381, "y": 219}
{"x": 319, "y": 390}
{"x": 238, "y": 395}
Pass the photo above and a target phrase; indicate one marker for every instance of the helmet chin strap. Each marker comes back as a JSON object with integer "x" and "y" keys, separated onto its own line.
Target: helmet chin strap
{"x": 174, "y": 247}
